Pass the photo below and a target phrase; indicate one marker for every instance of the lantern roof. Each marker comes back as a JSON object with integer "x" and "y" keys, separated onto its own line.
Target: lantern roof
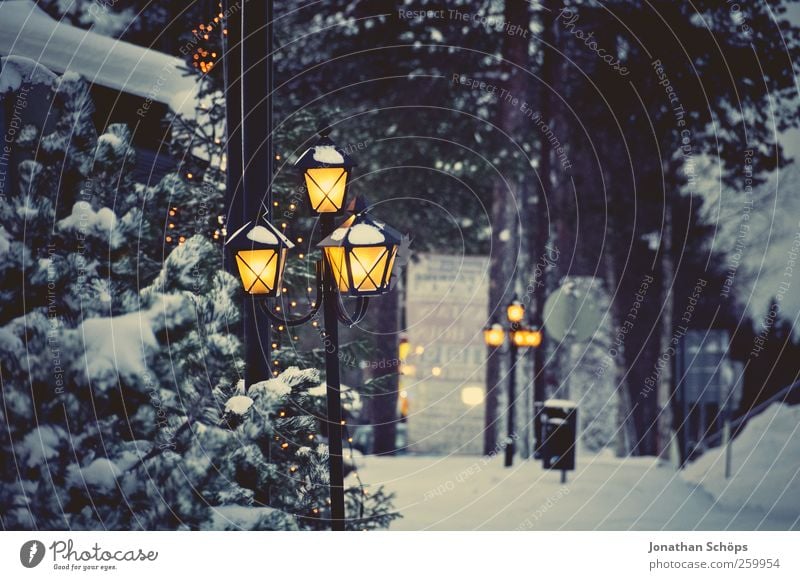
{"x": 259, "y": 233}
{"x": 324, "y": 153}
{"x": 362, "y": 229}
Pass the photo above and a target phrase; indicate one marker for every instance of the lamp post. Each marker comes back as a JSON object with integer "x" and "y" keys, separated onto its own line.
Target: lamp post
{"x": 519, "y": 336}
{"x": 359, "y": 255}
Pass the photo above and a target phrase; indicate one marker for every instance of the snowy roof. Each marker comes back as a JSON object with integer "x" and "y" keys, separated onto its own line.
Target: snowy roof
{"x": 362, "y": 230}
{"x": 28, "y": 31}
{"x": 324, "y": 153}
{"x": 263, "y": 234}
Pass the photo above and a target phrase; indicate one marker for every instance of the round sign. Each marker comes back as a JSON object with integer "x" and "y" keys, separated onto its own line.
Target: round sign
{"x": 570, "y": 314}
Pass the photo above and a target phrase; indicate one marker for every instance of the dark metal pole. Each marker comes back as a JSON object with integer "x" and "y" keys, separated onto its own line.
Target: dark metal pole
{"x": 330, "y": 300}
{"x": 512, "y": 395}
{"x": 539, "y": 384}
{"x": 684, "y": 404}
{"x": 241, "y": 207}
{"x": 255, "y": 22}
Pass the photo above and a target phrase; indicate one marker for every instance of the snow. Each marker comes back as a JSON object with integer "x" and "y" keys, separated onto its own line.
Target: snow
{"x": 262, "y": 235}
{"x": 560, "y": 403}
{"x": 238, "y": 405}
{"x": 27, "y": 31}
{"x": 27, "y": 211}
{"x": 328, "y": 154}
{"x": 5, "y": 241}
{"x": 40, "y": 445}
{"x": 765, "y": 469}
{"x": 118, "y": 345}
{"x": 351, "y": 400}
{"x": 84, "y": 218}
{"x": 759, "y": 233}
{"x": 16, "y": 71}
{"x": 113, "y": 142}
{"x": 339, "y": 234}
{"x": 275, "y": 387}
{"x": 365, "y": 234}
{"x": 101, "y": 473}
{"x": 239, "y": 516}
{"x": 604, "y": 493}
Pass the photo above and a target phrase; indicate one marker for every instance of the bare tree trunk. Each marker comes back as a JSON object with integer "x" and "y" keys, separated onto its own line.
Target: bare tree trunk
{"x": 504, "y": 226}
{"x": 383, "y": 405}
{"x": 664, "y": 410}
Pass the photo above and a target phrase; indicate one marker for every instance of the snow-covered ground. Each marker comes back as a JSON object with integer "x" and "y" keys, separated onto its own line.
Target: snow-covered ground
{"x": 604, "y": 493}
{"x": 765, "y": 466}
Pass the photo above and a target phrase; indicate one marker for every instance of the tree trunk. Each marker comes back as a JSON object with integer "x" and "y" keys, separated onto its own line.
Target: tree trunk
{"x": 504, "y": 226}
{"x": 664, "y": 409}
{"x": 383, "y": 405}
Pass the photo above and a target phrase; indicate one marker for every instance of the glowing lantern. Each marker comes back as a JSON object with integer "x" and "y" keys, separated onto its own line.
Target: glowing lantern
{"x": 326, "y": 168}
{"x": 361, "y": 254}
{"x": 259, "y": 250}
{"x": 494, "y": 335}
{"x": 515, "y": 311}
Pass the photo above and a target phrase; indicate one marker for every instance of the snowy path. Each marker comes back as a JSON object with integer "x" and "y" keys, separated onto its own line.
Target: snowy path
{"x": 605, "y": 493}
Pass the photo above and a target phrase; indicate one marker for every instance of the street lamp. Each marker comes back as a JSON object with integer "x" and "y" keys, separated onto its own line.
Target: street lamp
{"x": 361, "y": 254}
{"x": 515, "y": 311}
{"x": 260, "y": 253}
{"x": 494, "y": 335}
{"x": 519, "y": 336}
{"x": 359, "y": 257}
{"x": 326, "y": 169}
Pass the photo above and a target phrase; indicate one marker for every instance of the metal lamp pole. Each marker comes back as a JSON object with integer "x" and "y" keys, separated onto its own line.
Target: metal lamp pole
{"x": 512, "y": 395}
{"x": 329, "y": 288}
{"x": 330, "y": 300}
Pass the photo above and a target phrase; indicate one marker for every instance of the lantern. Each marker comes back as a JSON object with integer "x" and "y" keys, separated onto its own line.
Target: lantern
{"x": 361, "y": 254}
{"x": 533, "y": 338}
{"x": 259, "y": 250}
{"x": 526, "y": 337}
{"x": 515, "y": 311}
{"x": 326, "y": 169}
{"x": 494, "y": 335}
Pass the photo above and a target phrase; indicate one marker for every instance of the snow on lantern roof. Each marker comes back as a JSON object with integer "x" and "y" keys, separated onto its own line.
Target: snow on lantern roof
{"x": 263, "y": 233}
{"x": 27, "y": 31}
{"x": 324, "y": 153}
{"x": 362, "y": 230}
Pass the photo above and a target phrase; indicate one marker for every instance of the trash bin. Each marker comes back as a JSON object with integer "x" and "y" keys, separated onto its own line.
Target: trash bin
{"x": 559, "y": 428}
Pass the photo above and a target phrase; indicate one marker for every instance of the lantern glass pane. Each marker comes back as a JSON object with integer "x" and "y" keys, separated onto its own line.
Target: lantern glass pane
{"x": 335, "y": 256}
{"x": 391, "y": 263}
{"x": 258, "y": 270}
{"x": 368, "y": 267}
{"x": 326, "y": 187}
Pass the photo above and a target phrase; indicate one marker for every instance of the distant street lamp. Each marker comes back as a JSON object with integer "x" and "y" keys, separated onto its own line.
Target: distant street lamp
{"x": 519, "y": 336}
{"x": 359, "y": 257}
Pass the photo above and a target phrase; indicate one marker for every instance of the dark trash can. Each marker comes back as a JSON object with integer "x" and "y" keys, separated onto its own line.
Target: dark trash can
{"x": 559, "y": 428}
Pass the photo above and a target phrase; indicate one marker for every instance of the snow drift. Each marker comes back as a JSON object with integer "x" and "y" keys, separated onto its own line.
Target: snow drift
{"x": 765, "y": 470}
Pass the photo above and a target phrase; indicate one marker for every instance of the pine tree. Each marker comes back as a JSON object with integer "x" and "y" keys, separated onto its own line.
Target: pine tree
{"x": 121, "y": 402}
